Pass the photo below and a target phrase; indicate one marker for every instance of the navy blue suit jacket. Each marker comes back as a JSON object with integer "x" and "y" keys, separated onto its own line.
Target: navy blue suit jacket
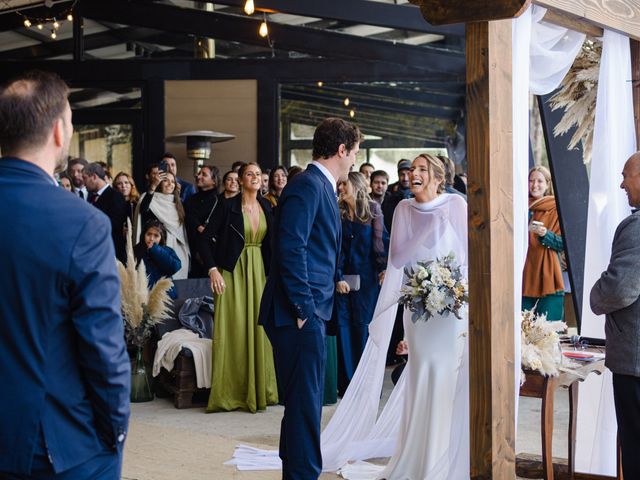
{"x": 65, "y": 371}
{"x": 186, "y": 189}
{"x": 305, "y": 248}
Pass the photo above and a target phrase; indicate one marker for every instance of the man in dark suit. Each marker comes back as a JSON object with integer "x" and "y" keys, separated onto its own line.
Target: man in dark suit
{"x": 111, "y": 202}
{"x": 65, "y": 370}
{"x": 298, "y": 297}
{"x": 74, "y": 170}
{"x": 617, "y": 295}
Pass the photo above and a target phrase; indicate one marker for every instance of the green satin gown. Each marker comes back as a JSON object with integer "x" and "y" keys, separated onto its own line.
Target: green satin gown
{"x": 243, "y": 372}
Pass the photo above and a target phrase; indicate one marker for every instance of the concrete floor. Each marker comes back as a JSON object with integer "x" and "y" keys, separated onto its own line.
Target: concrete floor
{"x": 168, "y": 443}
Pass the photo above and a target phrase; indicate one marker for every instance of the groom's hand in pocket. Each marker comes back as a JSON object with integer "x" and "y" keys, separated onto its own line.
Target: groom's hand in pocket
{"x": 301, "y": 323}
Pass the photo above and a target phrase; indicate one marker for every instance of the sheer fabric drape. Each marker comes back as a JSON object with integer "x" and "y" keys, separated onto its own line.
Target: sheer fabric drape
{"x": 613, "y": 142}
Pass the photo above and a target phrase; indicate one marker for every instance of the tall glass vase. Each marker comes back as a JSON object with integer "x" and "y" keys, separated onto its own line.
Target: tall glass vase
{"x": 140, "y": 385}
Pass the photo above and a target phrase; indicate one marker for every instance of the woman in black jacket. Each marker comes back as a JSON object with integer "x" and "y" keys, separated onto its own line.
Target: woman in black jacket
{"x": 237, "y": 257}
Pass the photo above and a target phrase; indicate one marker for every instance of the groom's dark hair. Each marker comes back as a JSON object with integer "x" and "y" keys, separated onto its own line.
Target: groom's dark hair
{"x": 332, "y": 133}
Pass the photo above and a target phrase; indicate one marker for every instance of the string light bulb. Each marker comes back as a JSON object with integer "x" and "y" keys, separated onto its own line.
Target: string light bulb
{"x": 249, "y": 7}
{"x": 27, "y": 22}
{"x": 40, "y": 27}
{"x": 70, "y": 17}
{"x": 56, "y": 25}
{"x": 53, "y": 34}
{"x": 263, "y": 31}
{"x": 320, "y": 84}
{"x": 347, "y": 102}
{"x": 352, "y": 113}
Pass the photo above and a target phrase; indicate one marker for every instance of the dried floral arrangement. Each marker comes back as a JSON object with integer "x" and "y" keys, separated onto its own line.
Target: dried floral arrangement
{"x": 540, "y": 344}
{"x": 141, "y": 308}
{"x": 577, "y": 96}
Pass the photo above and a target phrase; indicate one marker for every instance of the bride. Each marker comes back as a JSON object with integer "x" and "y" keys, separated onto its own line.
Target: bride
{"x": 424, "y": 426}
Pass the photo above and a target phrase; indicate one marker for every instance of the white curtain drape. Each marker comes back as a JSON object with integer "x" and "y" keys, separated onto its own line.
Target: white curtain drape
{"x": 613, "y": 142}
{"x": 552, "y": 50}
{"x": 520, "y": 84}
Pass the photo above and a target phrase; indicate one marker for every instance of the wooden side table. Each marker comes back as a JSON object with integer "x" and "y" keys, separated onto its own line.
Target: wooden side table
{"x": 537, "y": 385}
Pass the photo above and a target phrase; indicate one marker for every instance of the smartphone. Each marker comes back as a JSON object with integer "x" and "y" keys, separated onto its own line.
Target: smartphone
{"x": 162, "y": 166}
{"x": 535, "y": 225}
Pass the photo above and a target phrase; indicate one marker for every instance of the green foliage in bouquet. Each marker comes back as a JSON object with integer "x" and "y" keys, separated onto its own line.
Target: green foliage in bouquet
{"x": 434, "y": 287}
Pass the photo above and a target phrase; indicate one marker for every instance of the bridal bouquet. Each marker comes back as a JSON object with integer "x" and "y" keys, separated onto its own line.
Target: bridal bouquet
{"x": 434, "y": 287}
{"x": 540, "y": 344}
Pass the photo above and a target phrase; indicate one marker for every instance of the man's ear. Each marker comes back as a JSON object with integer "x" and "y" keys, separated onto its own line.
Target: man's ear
{"x": 342, "y": 150}
{"x": 58, "y": 132}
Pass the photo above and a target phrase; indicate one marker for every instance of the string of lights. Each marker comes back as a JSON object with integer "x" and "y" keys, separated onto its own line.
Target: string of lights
{"x": 49, "y": 22}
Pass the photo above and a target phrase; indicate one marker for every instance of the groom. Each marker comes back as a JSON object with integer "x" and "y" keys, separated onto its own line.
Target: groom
{"x": 298, "y": 297}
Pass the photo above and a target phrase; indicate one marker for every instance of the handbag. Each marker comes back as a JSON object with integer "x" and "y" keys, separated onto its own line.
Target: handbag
{"x": 353, "y": 281}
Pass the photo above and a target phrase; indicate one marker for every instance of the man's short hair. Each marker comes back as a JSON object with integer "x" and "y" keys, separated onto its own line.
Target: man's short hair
{"x": 95, "y": 168}
{"x": 29, "y": 105}
{"x": 150, "y": 167}
{"x": 366, "y": 164}
{"x": 379, "y": 173}
{"x": 76, "y": 161}
{"x": 235, "y": 166}
{"x": 168, "y": 155}
{"x": 332, "y": 133}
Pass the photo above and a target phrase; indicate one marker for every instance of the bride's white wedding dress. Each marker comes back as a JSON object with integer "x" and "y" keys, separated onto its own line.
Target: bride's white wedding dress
{"x": 425, "y": 424}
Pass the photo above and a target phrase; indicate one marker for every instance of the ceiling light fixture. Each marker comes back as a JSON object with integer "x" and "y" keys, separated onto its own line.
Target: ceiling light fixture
{"x": 263, "y": 31}
{"x": 49, "y": 21}
{"x": 249, "y": 7}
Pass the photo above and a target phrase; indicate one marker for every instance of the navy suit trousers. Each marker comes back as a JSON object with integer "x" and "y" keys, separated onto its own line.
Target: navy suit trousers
{"x": 300, "y": 362}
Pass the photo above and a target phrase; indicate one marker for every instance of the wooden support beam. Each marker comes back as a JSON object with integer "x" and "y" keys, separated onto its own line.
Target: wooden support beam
{"x": 491, "y": 260}
{"x": 446, "y": 12}
{"x": 572, "y": 23}
{"x": 619, "y": 15}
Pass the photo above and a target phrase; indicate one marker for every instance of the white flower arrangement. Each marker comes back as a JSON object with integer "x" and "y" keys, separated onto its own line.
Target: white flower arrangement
{"x": 434, "y": 287}
{"x": 540, "y": 344}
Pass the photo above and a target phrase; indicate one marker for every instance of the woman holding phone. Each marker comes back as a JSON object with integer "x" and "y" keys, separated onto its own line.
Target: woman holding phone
{"x": 542, "y": 285}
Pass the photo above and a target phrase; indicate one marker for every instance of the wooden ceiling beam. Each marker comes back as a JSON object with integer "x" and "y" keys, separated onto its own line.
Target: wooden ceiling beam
{"x": 600, "y": 13}
{"x": 447, "y": 12}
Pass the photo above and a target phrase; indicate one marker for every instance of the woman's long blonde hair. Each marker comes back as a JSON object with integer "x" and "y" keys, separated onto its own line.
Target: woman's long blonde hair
{"x": 360, "y": 191}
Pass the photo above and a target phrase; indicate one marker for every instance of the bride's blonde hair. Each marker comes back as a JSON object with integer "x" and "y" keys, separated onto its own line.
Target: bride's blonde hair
{"x": 436, "y": 169}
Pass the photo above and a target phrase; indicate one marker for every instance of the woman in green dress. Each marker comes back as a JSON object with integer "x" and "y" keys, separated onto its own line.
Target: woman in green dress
{"x": 237, "y": 256}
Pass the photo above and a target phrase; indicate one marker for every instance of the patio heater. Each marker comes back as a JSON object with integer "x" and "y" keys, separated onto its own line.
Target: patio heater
{"x": 199, "y": 144}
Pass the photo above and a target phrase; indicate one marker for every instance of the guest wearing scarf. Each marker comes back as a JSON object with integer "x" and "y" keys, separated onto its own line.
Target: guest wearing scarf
{"x": 163, "y": 203}
{"x": 542, "y": 285}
